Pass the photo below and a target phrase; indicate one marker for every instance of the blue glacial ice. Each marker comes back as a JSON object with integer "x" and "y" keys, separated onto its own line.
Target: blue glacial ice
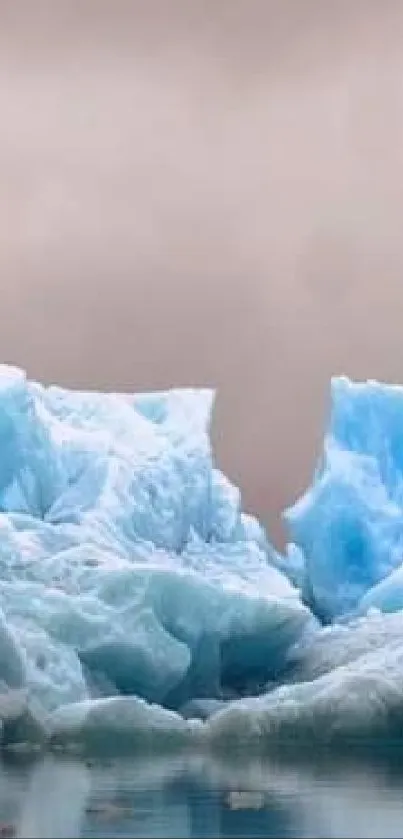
{"x": 126, "y": 564}
{"x": 348, "y": 526}
{"x": 136, "y": 594}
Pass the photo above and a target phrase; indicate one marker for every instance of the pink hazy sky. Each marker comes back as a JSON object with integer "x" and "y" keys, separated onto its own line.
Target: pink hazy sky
{"x": 206, "y": 193}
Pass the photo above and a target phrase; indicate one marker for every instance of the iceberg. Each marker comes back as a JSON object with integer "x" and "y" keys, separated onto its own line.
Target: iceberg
{"x": 118, "y": 724}
{"x": 141, "y": 608}
{"x": 127, "y": 567}
{"x": 348, "y": 526}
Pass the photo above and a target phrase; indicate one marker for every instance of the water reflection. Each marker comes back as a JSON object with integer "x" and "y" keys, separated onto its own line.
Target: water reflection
{"x": 195, "y": 796}
{"x": 55, "y": 800}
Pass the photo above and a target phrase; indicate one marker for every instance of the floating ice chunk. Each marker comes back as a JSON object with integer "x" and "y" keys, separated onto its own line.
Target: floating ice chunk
{"x": 117, "y": 725}
{"x": 127, "y": 567}
{"x": 349, "y": 525}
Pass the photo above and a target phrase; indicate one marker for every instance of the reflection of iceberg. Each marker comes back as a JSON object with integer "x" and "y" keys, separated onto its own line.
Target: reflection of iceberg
{"x": 193, "y": 796}
{"x": 129, "y": 574}
{"x": 187, "y": 798}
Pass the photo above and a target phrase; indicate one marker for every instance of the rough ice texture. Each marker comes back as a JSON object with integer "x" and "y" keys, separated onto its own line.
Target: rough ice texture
{"x": 348, "y": 689}
{"x": 349, "y": 525}
{"x": 132, "y": 586}
{"x": 351, "y": 691}
{"x": 126, "y": 564}
{"x": 339, "y": 644}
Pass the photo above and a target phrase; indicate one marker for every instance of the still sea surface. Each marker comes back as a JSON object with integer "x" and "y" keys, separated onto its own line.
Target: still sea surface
{"x": 193, "y": 796}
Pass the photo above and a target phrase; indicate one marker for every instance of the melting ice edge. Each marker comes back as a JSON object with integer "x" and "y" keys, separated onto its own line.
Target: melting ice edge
{"x": 141, "y": 608}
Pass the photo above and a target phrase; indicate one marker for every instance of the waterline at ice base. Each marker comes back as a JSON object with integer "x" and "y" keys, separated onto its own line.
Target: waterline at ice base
{"x": 142, "y": 609}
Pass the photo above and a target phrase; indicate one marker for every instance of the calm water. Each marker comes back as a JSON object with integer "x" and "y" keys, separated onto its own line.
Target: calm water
{"x": 199, "y": 797}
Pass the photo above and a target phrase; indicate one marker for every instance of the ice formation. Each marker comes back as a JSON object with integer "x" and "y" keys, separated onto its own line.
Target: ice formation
{"x": 126, "y": 564}
{"x": 352, "y": 693}
{"x": 135, "y": 595}
{"x": 349, "y": 525}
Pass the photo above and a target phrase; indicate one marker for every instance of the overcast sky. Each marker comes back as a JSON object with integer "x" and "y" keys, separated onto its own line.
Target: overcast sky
{"x": 206, "y": 193}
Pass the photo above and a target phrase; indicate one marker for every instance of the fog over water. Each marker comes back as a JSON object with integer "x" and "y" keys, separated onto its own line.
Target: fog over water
{"x": 206, "y": 193}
